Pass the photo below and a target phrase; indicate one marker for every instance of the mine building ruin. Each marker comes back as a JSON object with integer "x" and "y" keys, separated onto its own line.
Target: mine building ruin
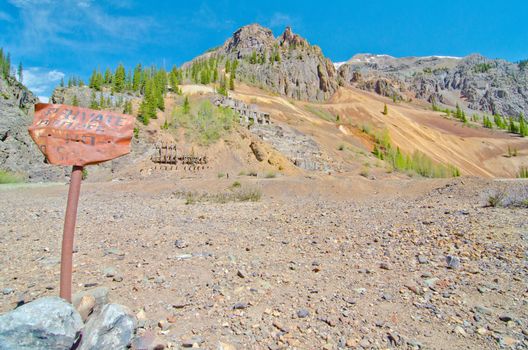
{"x": 248, "y": 114}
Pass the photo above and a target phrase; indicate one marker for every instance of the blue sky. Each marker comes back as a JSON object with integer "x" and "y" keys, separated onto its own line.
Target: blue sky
{"x": 56, "y": 38}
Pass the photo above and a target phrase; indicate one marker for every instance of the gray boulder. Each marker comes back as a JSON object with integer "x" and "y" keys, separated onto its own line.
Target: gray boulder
{"x": 46, "y": 323}
{"x": 112, "y": 328}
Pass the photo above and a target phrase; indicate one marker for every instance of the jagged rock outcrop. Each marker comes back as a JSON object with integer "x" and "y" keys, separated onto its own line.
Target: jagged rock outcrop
{"x": 18, "y": 153}
{"x": 475, "y": 82}
{"x": 287, "y": 65}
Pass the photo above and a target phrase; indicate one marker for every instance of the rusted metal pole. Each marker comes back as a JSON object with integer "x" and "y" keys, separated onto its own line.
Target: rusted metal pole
{"x": 69, "y": 230}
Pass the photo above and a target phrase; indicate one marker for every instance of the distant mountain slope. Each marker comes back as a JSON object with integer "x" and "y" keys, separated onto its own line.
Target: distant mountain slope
{"x": 18, "y": 153}
{"x": 475, "y": 82}
{"x": 287, "y": 65}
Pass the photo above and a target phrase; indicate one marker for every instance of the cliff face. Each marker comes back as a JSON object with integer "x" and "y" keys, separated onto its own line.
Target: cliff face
{"x": 287, "y": 65}
{"x": 18, "y": 153}
{"x": 479, "y": 83}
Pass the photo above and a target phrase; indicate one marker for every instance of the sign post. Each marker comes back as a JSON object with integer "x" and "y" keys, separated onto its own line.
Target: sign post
{"x": 77, "y": 137}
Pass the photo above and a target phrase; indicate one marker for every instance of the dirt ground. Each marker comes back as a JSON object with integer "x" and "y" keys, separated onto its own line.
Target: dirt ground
{"x": 322, "y": 262}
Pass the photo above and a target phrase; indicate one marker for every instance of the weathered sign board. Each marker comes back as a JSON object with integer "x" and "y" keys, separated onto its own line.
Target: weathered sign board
{"x": 69, "y": 135}
{"x": 75, "y": 136}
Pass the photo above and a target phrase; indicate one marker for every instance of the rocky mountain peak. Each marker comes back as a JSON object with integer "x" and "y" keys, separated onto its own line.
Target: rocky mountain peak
{"x": 249, "y": 38}
{"x": 290, "y": 39}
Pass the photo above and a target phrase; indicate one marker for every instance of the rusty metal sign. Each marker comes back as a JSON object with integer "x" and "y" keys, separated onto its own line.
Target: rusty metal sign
{"x": 69, "y": 135}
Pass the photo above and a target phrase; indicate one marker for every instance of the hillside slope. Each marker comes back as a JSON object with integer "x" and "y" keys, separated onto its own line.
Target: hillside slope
{"x": 474, "y": 82}
{"x": 474, "y": 150}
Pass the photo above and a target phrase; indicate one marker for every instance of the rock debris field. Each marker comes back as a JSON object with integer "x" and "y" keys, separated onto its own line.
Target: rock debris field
{"x": 414, "y": 264}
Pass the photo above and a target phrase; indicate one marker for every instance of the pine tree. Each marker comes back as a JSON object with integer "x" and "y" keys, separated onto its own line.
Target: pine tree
{"x": 93, "y": 101}
{"x": 385, "y": 110}
{"x": 136, "y": 78}
{"x": 75, "y": 101}
{"x": 186, "y": 106}
{"x": 128, "y": 107}
{"x": 119, "y": 79}
{"x": 62, "y": 82}
{"x": 231, "y": 82}
{"x": 108, "y": 76}
{"x": 20, "y": 73}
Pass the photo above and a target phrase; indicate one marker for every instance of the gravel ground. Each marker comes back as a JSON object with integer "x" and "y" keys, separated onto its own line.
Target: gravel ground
{"x": 413, "y": 266}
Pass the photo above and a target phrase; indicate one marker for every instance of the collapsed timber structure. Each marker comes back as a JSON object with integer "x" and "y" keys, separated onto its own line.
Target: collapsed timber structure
{"x": 248, "y": 114}
{"x": 167, "y": 154}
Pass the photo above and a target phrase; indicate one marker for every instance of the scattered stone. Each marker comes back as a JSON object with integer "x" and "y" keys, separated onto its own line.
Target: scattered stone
{"x": 459, "y": 330}
{"x": 303, "y": 313}
{"x": 453, "y": 262}
{"x": 7, "y": 291}
{"x": 240, "y": 306}
{"x": 148, "y": 341}
{"x": 163, "y": 325}
{"x": 118, "y": 278}
{"x": 86, "y": 306}
{"x": 482, "y": 331}
{"x": 110, "y": 272}
{"x": 112, "y": 328}
{"x": 387, "y": 296}
{"x": 483, "y": 310}
{"x": 225, "y": 346}
{"x": 505, "y": 318}
{"x": 180, "y": 244}
{"x": 431, "y": 282}
{"x": 385, "y": 266}
{"x": 192, "y": 342}
{"x": 241, "y": 274}
{"x": 46, "y": 323}
{"x": 100, "y": 294}
{"x": 422, "y": 259}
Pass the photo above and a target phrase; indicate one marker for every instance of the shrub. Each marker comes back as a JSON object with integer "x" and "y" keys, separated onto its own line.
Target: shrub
{"x": 270, "y": 175}
{"x": 341, "y": 147}
{"x": 236, "y": 184}
{"x": 523, "y": 172}
{"x": 364, "y": 172}
{"x": 206, "y": 125}
{"x": 7, "y": 177}
{"x": 496, "y": 198}
{"x": 221, "y": 175}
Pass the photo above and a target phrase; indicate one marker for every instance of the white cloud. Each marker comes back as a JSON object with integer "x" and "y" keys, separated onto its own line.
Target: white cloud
{"x": 53, "y": 22}
{"x": 279, "y": 19}
{"x": 43, "y": 99}
{"x": 40, "y": 80}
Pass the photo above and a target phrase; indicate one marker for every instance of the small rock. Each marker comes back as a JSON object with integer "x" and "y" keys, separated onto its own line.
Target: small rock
{"x": 148, "y": 341}
{"x": 240, "y": 306}
{"x": 118, "y": 278}
{"x": 453, "y": 262}
{"x": 385, "y": 266}
{"x": 112, "y": 328}
{"x": 505, "y": 318}
{"x": 422, "y": 259}
{"x": 189, "y": 343}
{"x": 431, "y": 282}
{"x": 241, "y": 274}
{"x": 460, "y": 330}
{"x": 482, "y": 331}
{"x": 163, "y": 325}
{"x": 46, "y": 323}
{"x": 110, "y": 272}
{"x": 482, "y": 310}
{"x": 100, "y": 294}
{"x": 7, "y": 291}
{"x": 364, "y": 343}
{"x": 302, "y": 313}
{"x": 86, "y": 306}
{"x": 387, "y": 296}
{"x": 180, "y": 244}
{"x": 225, "y": 346}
